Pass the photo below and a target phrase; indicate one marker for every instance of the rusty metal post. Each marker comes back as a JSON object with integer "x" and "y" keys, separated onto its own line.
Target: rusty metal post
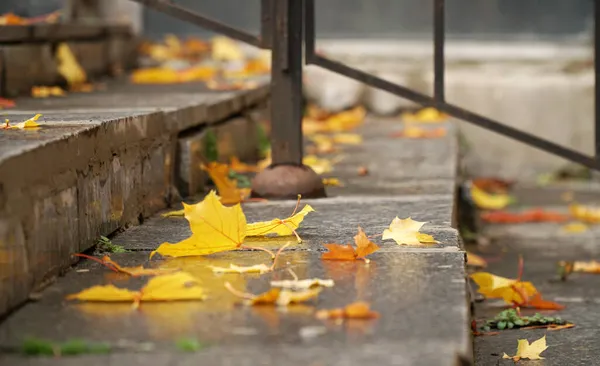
{"x": 287, "y": 176}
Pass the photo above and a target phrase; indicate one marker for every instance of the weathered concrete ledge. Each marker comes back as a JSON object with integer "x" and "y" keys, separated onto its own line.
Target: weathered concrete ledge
{"x": 100, "y": 162}
{"x": 420, "y": 291}
{"x": 27, "y": 53}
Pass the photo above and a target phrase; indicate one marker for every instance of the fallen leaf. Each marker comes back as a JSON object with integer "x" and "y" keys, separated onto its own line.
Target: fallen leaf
{"x": 332, "y": 182}
{"x": 537, "y": 302}
{"x": 364, "y": 247}
{"x": 406, "y": 232}
{"x": 47, "y": 91}
{"x": 346, "y": 120}
{"x": 493, "y": 185}
{"x": 167, "y": 75}
{"x": 356, "y": 310}
{"x": 488, "y": 201}
{"x": 228, "y": 190}
{"x": 258, "y": 268}
{"x": 68, "y": 66}
{"x": 528, "y": 350}
{"x": 475, "y": 260}
{"x": 362, "y": 171}
{"x": 575, "y": 228}
{"x": 237, "y": 166}
{"x": 12, "y": 19}
{"x": 425, "y": 115}
{"x": 589, "y": 214}
{"x": 277, "y": 296}
{"x": 512, "y": 291}
{"x": 215, "y": 228}
{"x": 29, "y": 123}
{"x": 533, "y": 215}
{"x": 226, "y": 49}
{"x": 347, "y": 138}
{"x": 6, "y": 103}
{"x": 560, "y": 327}
{"x": 582, "y": 266}
{"x": 138, "y": 271}
{"x": 302, "y": 284}
{"x": 319, "y": 165}
{"x": 168, "y": 287}
{"x": 279, "y": 227}
{"x": 415, "y": 132}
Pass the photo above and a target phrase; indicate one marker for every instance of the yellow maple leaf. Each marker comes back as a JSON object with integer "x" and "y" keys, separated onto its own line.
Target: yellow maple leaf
{"x": 475, "y": 260}
{"x": 279, "y": 227}
{"x": 168, "y": 287}
{"x": 29, "y": 123}
{"x": 215, "y": 228}
{"x": 406, "y": 232}
{"x": 258, "y": 268}
{"x": 425, "y": 115}
{"x": 317, "y": 164}
{"x": 226, "y": 49}
{"x": 228, "y": 190}
{"x": 528, "y": 350}
{"x": 68, "y": 66}
{"x": 512, "y": 291}
{"x": 488, "y": 201}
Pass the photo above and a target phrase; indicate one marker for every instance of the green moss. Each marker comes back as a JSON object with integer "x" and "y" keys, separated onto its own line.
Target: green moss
{"x": 189, "y": 345}
{"x": 264, "y": 144}
{"x": 211, "y": 145}
{"x": 105, "y": 245}
{"x": 72, "y": 347}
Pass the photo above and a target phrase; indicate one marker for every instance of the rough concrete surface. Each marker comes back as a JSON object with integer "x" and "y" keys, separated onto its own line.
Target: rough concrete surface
{"x": 420, "y": 292}
{"x": 99, "y": 162}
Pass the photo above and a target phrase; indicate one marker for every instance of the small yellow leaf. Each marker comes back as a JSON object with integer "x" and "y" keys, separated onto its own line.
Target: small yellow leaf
{"x": 168, "y": 287}
{"x": 287, "y": 297}
{"x": 228, "y": 190}
{"x": 347, "y": 138}
{"x": 526, "y": 350}
{"x": 475, "y": 260}
{"x": 46, "y": 91}
{"x": 30, "y": 123}
{"x": 226, "y": 49}
{"x": 68, "y": 66}
{"x": 104, "y": 293}
{"x": 512, "y": 291}
{"x": 320, "y": 166}
{"x": 302, "y": 284}
{"x": 277, "y": 226}
{"x": 488, "y": 201}
{"x": 332, "y": 182}
{"x": 575, "y": 228}
{"x": 405, "y": 231}
{"x": 425, "y": 115}
{"x": 215, "y": 228}
{"x": 426, "y": 238}
{"x": 258, "y": 268}
{"x": 589, "y": 214}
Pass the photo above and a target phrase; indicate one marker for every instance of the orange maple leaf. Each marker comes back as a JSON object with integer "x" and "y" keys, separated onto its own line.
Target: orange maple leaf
{"x": 347, "y": 252}
{"x": 538, "y": 302}
{"x": 138, "y": 271}
{"x": 228, "y": 191}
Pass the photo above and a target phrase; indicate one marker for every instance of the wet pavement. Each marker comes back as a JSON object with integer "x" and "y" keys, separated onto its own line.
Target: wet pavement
{"x": 420, "y": 292}
{"x": 542, "y": 246}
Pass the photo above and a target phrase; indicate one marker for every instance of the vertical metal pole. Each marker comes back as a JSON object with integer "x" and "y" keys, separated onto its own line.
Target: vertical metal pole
{"x": 597, "y": 78}
{"x": 286, "y": 83}
{"x": 266, "y": 23}
{"x": 438, "y": 50}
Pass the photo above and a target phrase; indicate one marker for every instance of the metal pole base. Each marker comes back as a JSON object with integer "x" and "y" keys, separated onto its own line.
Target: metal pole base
{"x": 282, "y": 182}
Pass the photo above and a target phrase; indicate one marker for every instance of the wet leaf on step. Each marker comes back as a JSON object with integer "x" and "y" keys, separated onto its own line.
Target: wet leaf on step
{"x": 487, "y": 201}
{"x": 279, "y": 227}
{"x": 512, "y": 291}
{"x": 168, "y": 287}
{"x": 302, "y": 284}
{"x": 68, "y": 66}
{"x": 416, "y": 132}
{"x": 588, "y": 214}
{"x": 228, "y": 189}
{"x": 332, "y": 182}
{"x": 215, "y": 228}
{"x": 277, "y": 296}
{"x": 475, "y": 261}
{"x": 533, "y": 215}
{"x": 406, "y": 232}
{"x": 364, "y": 247}
{"x": 30, "y": 123}
{"x": 356, "y": 310}
{"x": 425, "y": 115}
{"x": 138, "y": 271}
{"x": 530, "y": 351}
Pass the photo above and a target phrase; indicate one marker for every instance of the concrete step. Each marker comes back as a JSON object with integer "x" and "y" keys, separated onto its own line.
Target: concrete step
{"x": 102, "y": 161}
{"x": 420, "y": 292}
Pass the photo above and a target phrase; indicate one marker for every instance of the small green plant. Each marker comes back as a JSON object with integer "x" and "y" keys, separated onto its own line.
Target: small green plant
{"x": 189, "y": 345}
{"x": 509, "y": 319}
{"x": 211, "y": 146}
{"x": 242, "y": 180}
{"x": 264, "y": 144}
{"x": 72, "y": 347}
{"x": 105, "y": 245}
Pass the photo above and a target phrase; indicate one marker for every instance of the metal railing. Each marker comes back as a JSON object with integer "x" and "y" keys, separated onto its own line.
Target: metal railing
{"x": 288, "y": 26}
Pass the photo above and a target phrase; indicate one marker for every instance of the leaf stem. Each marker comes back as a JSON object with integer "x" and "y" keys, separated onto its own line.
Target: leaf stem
{"x": 277, "y": 255}
{"x": 243, "y": 295}
{"x": 259, "y": 248}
